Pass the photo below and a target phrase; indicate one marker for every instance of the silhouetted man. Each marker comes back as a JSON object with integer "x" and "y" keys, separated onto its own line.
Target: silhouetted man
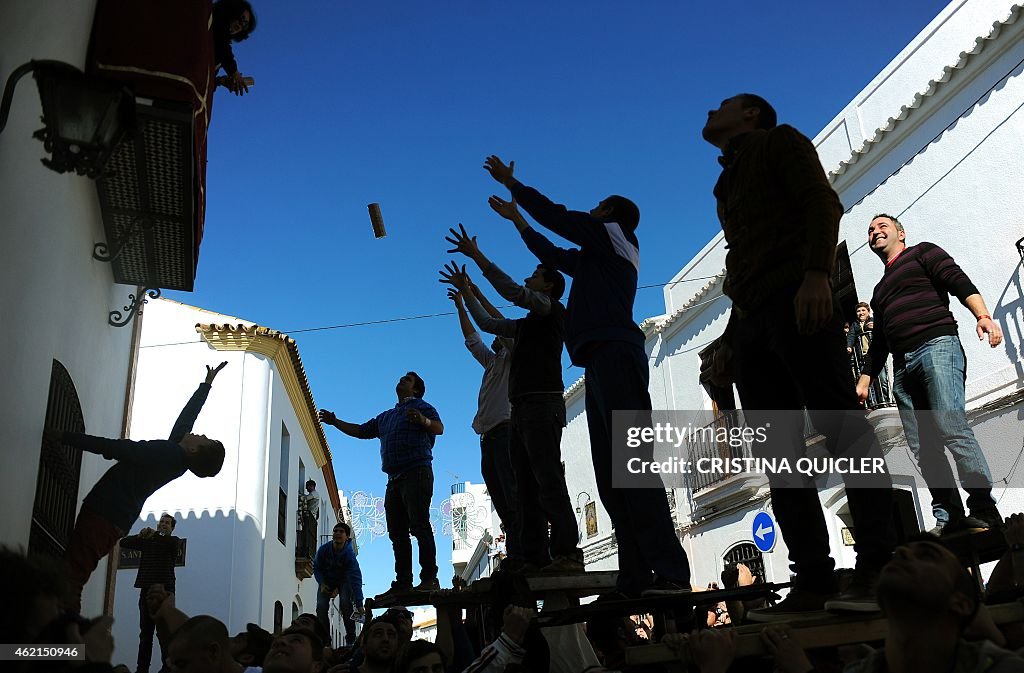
{"x": 781, "y": 222}
{"x": 337, "y": 573}
{"x": 407, "y": 433}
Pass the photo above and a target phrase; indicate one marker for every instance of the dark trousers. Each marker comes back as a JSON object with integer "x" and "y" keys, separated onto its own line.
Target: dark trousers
{"x": 91, "y": 540}
{"x": 309, "y": 541}
{"x": 345, "y": 607}
{"x": 535, "y": 449}
{"x": 616, "y": 379}
{"x": 407, "y": 510}
{"x": 496, "y": 468}
{"x": 778, "y": 368}
{"x": 146, "y": 630}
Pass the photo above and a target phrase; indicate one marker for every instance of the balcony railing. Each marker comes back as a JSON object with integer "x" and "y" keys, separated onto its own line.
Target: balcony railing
{"x": 705, "y": 446}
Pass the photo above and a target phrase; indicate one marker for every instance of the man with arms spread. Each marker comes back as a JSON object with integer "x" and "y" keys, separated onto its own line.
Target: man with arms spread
{"x": 114, "y": 503}
{"x": 914, "y": 323}
{"x": 407, "y": 433}
{"x": 602, "y": 337}
{"x": 781, "y": 222}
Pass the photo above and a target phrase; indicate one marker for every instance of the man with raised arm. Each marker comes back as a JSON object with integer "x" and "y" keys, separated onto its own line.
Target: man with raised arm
{"x": 407, "y": 432}
{"x": 914, "y": 323}
{"x": 538, "y": 411}
{"x": 602, "y": 337}
{"x": 493, "y": 416}
{"x": 142, "y": 467}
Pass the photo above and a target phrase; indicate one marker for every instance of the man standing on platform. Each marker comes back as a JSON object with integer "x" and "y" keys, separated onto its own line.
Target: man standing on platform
{"x": 407, "y": 432}
{"x": 159, "y": 550}
{"x": 781, "y": 218}
{"x": 914, "y": 323}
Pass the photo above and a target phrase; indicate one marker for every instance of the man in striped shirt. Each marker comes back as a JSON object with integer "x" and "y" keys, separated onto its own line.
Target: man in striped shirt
{"x": 914, "y": 323}
{"x": 159, "y": 552}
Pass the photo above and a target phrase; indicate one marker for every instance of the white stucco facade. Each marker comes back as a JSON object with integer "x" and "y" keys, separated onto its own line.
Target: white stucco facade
{"x": 56, "y": 297}
{"x": 935, "y": 140}
{"x": 237, "y": 568}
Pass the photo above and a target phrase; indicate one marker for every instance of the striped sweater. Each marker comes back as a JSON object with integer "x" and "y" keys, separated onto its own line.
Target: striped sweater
{"x": 911, "y": 302}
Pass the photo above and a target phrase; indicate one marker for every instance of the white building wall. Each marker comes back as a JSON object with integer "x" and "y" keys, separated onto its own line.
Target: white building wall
{"x": 236, "y": 567}
{"x": 56, "y": 297}
{"x": 945, "y": 125}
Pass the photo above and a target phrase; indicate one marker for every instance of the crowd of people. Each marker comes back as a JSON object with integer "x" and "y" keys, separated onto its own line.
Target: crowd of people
{"x": 784, "y": 348}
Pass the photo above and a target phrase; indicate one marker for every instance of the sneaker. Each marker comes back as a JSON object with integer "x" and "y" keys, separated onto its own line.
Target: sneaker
{"x": 989, "y": 516}
{"x": 964, "y": 524}
{"x": 859, "y": 596}
{"x": 666, "y": 588}
{"x": 799, "y": 603}
{"x": 428, "y": 585}
{"x": 563, "y": 565}
{"x": 397, "y": 589}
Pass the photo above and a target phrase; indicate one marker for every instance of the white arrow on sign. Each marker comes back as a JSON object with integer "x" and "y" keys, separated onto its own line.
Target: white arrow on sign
{"x": 762, "y": 531}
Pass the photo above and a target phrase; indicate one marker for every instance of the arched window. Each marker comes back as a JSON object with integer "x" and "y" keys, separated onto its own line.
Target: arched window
{"x": 278, "y": 618}
{"x": 749, "y": 555}
{"x": 53, "y": 514}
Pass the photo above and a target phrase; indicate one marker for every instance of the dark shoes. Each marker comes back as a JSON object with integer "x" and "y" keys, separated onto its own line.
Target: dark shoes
{"x": 987, "y": 518}
{"x": 564, "y": 565}
{"x": 397, "y": 589}
{"x": 799, "y": 603}
{"x": 859, "y": 596}
{"x": 428, "y": 585}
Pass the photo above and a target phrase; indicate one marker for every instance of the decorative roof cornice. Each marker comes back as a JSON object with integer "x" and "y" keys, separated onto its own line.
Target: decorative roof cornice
{"x": 930, "y": 89}
{"x": 575, "y": 388}
{"x": 691, "y": 302}
{"x": 284, "y": 352}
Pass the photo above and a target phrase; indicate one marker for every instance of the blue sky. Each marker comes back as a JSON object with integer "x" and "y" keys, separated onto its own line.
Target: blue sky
{"x": 399, "y": 103}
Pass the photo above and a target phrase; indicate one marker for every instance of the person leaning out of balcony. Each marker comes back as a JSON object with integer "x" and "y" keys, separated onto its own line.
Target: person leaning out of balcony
{"x": 233, "y": 21}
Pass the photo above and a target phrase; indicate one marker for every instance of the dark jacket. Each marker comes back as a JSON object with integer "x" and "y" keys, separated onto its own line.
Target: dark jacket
{"x": 779, "y": 214}
{"x": 604, "y": 271}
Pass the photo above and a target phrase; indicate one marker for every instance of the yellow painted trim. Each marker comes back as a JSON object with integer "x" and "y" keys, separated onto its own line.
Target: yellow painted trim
{"x": 273, "y": 345}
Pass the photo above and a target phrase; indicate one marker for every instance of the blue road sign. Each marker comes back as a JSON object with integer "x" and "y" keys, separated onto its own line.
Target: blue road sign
{"x": 764, "y": 532}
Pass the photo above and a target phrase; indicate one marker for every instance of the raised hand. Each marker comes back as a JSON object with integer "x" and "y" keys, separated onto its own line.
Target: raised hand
{"x": 455, "y": 296}
{"x": 463, "y": 242}
{"x": 328, "y": 417}
{"x": 506, "y": 209}
{"x": 211, "y": 372}
{"x": 498, "y": 170}
{"x": 454, "y": 276}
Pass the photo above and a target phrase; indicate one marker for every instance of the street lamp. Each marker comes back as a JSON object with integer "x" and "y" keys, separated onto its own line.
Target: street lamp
{"x": 84, "y": 118}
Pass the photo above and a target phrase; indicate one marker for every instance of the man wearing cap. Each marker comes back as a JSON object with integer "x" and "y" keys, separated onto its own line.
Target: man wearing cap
{"x": 250, "y": 647}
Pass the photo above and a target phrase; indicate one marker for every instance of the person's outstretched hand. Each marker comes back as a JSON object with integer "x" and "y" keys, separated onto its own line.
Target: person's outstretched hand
{"x": 498, "y": 170}
{"x": 454, "y": 276}
{"x": 211, "y": 372}
{"x": 515, "y": 622}
{"x": 328, "y": 417}
{"x": 506, "y": 209}
{"x": 463, "y": 242}
{"x": 236, "y": 84}
{"x": 455, "y": 296}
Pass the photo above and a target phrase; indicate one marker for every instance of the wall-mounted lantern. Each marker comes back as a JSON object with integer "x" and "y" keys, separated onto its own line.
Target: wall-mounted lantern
{"x": 84, "y": 117}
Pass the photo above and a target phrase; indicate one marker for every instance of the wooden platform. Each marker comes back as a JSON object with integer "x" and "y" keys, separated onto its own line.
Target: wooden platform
{"x": 829, "y": 631}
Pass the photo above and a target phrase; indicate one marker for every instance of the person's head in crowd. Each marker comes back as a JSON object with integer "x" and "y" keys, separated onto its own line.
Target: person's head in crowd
{"x": 341, "y": 534}
{"x": 33, "y": 588}
{"x": 886, "y": 236}
{"x": 863, "y": 311}
{"x": 421, "y": 656}
{"x": 250, "y": 647}
{"x": 237, "y": 15}
{"x": 166, "y": 524}
{"x": 310, "y": 485}
{"x": 380, "y": 642}
{"x": 617, "y": 209}
{"x": 548, "y": 280}
{"x": 203, "y": 456}
{"x": 730, "y": 576}
{"x": 402, "y": 619}
{"x": 410, "y": 385}
{"x": 308, "y": 621}
{"x": 296, "y": 650}
{"x": 925, "y": 585}
{"x": 200, "y": 645}
{"x": 736, "y": 116}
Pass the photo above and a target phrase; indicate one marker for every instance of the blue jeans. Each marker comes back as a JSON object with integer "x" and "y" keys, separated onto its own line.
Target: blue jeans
{"x": 931, "y": 379}
{"x": 345, "y": 607}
